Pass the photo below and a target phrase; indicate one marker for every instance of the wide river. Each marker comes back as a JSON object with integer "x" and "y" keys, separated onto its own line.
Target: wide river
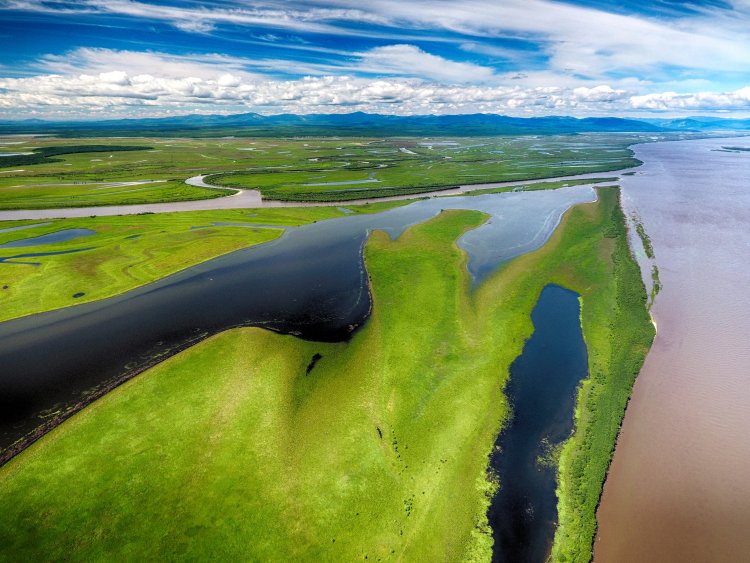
{"x": 679, "y": 485}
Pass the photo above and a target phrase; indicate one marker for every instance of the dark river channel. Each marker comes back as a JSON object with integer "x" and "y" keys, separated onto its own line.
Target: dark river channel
{"x": 542, "y": 391}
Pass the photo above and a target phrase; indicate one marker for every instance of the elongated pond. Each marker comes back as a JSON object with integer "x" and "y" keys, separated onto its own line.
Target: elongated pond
{"x": 541, "y": 391}
{"x": 50, "y": 238}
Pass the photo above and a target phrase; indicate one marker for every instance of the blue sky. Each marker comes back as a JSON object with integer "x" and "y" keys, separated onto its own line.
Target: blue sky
{"x": 131, "y": 58}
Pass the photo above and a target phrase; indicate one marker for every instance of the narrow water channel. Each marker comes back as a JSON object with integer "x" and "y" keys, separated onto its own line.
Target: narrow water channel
{"x": 541, "y": 390}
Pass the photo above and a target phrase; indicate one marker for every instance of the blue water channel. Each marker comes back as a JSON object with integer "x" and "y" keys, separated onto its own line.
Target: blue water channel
{"x": 64, "y": 235}
{"x": 542, "y": 392}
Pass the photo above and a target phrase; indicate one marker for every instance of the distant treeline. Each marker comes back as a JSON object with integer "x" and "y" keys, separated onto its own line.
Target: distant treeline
{"x": 45, "y": 155}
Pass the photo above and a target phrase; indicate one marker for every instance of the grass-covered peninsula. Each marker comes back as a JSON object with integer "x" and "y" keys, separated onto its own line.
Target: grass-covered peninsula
{"x": 260, "y": 446}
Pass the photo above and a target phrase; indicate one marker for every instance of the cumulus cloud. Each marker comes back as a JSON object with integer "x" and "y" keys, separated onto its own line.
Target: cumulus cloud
{"x": 97, "y": 82}
{"x": 601, "y": 93}
{"x": 101, "y": 82}
{"x": 701, "y": 101}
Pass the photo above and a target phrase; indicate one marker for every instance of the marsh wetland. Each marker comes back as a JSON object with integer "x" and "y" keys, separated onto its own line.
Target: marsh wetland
{"x": 319, "y": 292}
{"x": 214, "y": 341}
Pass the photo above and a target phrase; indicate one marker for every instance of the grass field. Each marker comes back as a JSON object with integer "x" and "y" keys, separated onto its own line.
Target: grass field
{"x": 131, "y": 250}
{"x": 260, "y": 446}
{"x": 313, "y": 169}
{"x": 618, "y": 334}
{"x": 54, "y": 192}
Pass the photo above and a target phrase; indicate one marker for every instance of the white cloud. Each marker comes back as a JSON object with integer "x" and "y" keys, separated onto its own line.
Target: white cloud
{"x": 576, "y": 39}
{"x": 601, "y": 93}
{"x": 583, "y": 40}
{"x": 115, "y": 77}
{"x": 100, "y": 82}
{"x": 408, "y": 60}
{"x": 97, "y": 82}
{"x": 95, "y": 61}
{"x": 699, "y": 101}
{"x": 202, "y": 19}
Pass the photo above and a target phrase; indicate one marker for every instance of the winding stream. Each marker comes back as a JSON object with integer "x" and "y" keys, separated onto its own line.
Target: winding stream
{"x": 252, "y": 199}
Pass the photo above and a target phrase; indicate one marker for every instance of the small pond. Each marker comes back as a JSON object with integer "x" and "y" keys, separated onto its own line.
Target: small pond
{"x": 50, "y": 238}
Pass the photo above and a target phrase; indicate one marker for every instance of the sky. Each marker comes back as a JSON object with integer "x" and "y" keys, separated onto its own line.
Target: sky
{"x": 95, "y": 59}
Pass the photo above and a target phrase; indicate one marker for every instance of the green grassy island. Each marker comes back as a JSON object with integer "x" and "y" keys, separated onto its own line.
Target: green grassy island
{"x": 259, "y": 446}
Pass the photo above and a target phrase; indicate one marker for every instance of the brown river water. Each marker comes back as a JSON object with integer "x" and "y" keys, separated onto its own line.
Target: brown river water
{"x": 679, "y": 485}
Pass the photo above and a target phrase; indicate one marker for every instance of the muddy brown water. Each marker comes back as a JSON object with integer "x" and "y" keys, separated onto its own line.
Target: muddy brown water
{"x": 679, "y": 485}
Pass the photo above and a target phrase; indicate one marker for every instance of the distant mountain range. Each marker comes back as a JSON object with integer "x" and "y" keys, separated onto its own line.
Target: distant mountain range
{"x": 701, "y": 124}
{"x": 351, "y": 124}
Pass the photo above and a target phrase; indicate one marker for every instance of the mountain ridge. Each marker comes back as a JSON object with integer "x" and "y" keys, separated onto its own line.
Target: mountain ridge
{"x": 360, "y": 123}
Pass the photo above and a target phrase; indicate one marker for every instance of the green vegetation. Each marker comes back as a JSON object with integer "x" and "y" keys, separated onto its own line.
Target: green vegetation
{"x": 48, "y": 194}
{"x": 132, "y": 250}
{"x": 378, "y": 168}
{"x": 45, "y": 154}
{"x": 655, "y": 283}
{"x": 550, "y": 456}
{"x": 260, "y": 446}
{"x": 354, "y": 194}
{"x": 307, "y": 169}
{"x": 648, "y": 248}
{"x": 618, "y": 334}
